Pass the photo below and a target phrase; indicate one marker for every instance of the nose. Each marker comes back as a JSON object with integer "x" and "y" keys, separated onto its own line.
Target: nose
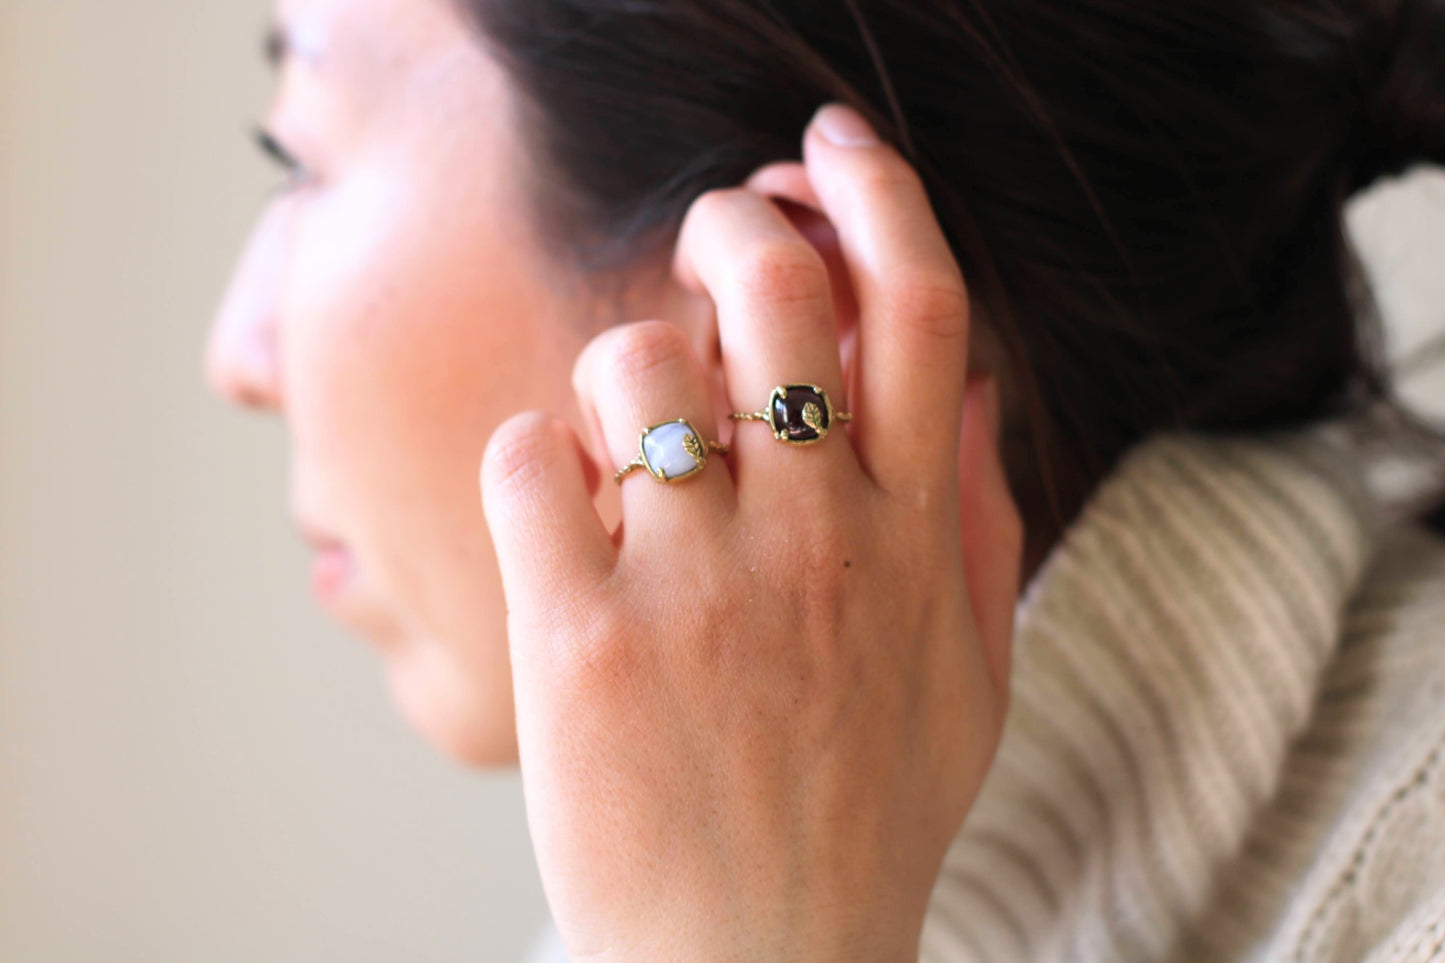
{"x": 242, "y": 359}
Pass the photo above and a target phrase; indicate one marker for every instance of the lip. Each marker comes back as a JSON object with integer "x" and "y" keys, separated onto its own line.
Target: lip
{"x": 332, "y": 572}
{"x": 333, "y": 569}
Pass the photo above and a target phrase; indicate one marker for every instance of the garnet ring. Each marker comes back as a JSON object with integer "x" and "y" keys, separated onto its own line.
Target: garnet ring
{"x": 798, "y": 414}
{"x": 671, "y": 451}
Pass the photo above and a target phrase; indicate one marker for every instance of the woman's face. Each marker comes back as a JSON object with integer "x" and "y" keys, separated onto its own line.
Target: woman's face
{"x": 393, "y": 306}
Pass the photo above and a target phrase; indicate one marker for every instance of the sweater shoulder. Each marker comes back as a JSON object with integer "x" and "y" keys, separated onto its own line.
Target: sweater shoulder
{"x": 1404, "y": 585}
{"x": 1346, "y": 861}
{"x": 1376, "y": 888}
{"x": 1388, "y": 678}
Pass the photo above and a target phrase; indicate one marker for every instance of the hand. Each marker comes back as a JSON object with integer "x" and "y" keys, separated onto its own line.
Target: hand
{"x": 751, "y": 723}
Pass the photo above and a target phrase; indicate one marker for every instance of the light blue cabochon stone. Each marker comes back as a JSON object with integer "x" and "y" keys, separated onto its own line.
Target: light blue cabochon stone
{"x": 664, "y": 451}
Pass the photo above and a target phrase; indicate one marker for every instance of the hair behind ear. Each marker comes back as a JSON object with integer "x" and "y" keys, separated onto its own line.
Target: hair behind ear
{"x": 1404, "y": 118}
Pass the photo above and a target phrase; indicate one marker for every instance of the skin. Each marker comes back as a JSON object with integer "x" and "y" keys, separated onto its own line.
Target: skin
{"x": 391, "y": 305}
{"x": 395, "y": 307}
{"x": 756, "y": 742}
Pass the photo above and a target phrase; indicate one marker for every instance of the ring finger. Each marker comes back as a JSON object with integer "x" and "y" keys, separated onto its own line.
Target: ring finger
{"x": 636, "y": 376}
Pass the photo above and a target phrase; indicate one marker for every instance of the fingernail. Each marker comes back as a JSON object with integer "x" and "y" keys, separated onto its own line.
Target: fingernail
{"x": 842, "y": 125}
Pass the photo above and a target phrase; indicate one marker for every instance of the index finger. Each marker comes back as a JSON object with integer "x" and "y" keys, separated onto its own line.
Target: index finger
{"x": 913, "y": 308}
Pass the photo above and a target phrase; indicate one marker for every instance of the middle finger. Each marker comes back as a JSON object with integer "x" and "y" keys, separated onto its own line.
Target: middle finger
{"x": 776, "y": 323}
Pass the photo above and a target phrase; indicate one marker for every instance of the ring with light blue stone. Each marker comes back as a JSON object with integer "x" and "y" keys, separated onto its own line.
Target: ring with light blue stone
{"x": 798, "y": 414}
{"x": 671, "y": 452}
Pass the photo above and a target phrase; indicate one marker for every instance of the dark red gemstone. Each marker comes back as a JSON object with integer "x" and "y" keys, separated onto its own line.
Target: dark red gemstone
{"x": 800, "y": 413}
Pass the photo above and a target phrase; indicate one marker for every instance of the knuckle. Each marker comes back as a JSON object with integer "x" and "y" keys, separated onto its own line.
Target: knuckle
{"x": 820, "y": 554}
{"x": 782, "y": 271}
{"x": 928, "y": 300}
{"x": 520, "y": 452}
{"x": 636, "y": 351}
{"x": 706, "y": 210}
{"x": 603, "y": 658}
{"x": 709, "y": 203}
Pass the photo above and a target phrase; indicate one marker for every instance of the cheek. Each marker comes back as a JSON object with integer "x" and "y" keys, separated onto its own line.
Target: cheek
{"x": 466, "y": 712}
{"x": 386, "y": 321}
{"x": 414, "y": 324}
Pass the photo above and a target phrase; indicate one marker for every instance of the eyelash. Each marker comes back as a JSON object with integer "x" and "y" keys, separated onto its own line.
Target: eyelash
{"x": 296, "y": 174}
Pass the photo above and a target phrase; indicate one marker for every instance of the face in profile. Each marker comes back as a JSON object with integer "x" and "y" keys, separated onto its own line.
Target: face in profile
{"x": 393, "y": 307}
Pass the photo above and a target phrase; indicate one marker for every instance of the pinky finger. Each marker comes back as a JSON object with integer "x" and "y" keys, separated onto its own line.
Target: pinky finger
{"x": 537, "y": 495}
{"x": 993, "y": 533}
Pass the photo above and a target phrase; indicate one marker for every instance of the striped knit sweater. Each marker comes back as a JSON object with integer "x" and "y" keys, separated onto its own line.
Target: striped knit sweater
{"x": 1227, "y": 734}
{"x": 1226, "y": 739}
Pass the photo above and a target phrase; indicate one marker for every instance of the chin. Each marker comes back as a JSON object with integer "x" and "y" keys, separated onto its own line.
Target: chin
{"x": 471, "y": 726}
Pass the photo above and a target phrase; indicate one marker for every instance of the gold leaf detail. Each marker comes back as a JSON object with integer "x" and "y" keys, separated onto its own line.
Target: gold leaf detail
{"x": 693, "y": 446}
{"x": 813, "y": 416}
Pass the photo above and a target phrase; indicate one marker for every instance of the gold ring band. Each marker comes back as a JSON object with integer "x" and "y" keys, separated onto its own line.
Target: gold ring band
{"x": 798, "y": 414}
{"x": 670, "y": 452}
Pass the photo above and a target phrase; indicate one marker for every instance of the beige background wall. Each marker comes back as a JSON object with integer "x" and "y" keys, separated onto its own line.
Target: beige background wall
{"x": 194, "y": 765}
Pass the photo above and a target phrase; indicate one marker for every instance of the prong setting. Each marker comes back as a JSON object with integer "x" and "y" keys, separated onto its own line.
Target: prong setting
{"x": 800, "y": 414}
{"x": 673, "y": 450}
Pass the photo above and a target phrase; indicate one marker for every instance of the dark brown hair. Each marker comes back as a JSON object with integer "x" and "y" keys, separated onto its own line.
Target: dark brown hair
{"x": 1145, "y": 194}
